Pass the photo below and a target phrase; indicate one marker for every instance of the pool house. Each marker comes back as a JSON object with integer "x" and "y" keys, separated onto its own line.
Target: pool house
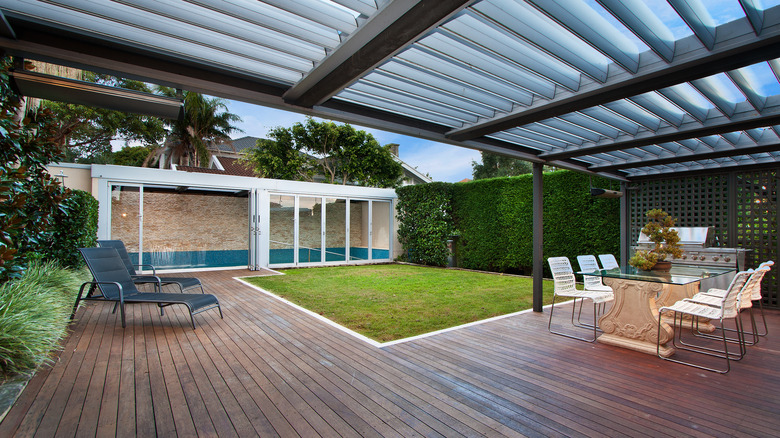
{"x": 181, "y": 220}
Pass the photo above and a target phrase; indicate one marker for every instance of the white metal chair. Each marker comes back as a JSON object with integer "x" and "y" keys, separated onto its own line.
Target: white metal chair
{"x": 727, "y": 308}
{"x": 750, "y": 293}
{"x": 593, "y": 283}
{"x": 608, "y": 261}
{"x": 565, "y": 286}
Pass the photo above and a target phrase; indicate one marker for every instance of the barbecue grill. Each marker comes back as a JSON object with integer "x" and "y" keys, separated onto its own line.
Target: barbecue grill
{"x": 698, "y": 245}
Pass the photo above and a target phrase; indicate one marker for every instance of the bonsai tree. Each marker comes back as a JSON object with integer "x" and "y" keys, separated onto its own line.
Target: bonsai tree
{"x": 659, "y": 231}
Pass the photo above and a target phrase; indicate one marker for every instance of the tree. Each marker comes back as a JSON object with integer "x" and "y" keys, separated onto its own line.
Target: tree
{"x": 494, "y": 165}
{"x": 344, "y": 155}
{"x": 280, "y": 158}
{"x": 85, "y": 133}
{"x": 206, "y": 121}
{"x": 29, "y": 196}
{"x": 132, "y": 155}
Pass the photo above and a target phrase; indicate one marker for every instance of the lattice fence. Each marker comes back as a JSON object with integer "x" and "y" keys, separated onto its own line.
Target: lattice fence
{"x": 743, "y": 204}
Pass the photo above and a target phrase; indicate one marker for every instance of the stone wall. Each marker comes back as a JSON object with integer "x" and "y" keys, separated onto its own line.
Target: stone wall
{"x": 181, "y": 221}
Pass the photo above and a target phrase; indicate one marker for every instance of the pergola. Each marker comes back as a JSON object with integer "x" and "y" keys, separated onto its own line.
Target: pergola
{"x": 626, "y": 89}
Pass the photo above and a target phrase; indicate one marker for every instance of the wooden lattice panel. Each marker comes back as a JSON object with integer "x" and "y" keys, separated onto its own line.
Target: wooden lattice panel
{"x": 756, "y": 206}
{"x": 699, "y": 201}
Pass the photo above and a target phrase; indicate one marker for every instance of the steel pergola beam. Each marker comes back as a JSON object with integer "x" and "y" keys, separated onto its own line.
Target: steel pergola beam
{"x": 743, "y": 48}
{"x": 396, "y": 26}
{"x": 721, "y": 125}
{"x": 691, "y": 156}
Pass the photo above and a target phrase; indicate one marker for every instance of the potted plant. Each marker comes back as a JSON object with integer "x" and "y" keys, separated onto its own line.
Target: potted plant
{"x": 659, "y": 231}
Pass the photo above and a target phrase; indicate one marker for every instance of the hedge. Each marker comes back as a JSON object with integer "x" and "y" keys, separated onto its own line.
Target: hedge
{"x": 425, "y": 222}
{"x": 494, "y": 220}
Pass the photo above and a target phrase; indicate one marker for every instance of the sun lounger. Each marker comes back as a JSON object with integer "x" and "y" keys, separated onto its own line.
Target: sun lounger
{"x": 184, "y": 283}
{"x": 115, "y": 285}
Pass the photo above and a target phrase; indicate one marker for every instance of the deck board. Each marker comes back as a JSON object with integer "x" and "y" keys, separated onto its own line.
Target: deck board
{"x": 268, "y": 369}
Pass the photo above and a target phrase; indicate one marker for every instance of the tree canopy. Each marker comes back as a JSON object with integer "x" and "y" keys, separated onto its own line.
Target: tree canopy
{"x": 494, "y": 165}
{"x": 342, "y": 154}
{"x": 206, "y": 121}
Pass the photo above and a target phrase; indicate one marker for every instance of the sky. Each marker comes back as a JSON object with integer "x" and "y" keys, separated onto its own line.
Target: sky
{"x": 440, "y": 161}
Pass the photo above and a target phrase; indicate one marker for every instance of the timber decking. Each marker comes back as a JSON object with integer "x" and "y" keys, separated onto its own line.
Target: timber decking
{"x": 268, "y": 369}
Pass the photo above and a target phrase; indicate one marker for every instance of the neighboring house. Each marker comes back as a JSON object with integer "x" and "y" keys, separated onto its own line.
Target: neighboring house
{"x": 224, "y": 161}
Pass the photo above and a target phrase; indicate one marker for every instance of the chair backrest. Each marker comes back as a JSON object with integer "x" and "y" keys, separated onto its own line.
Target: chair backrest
{"x": 119, "y": 246}
{"x": 608, "y": 261}
{"x": 753, "y": 288}
{"x": 588, "y": 263}
{"x": 563, "y": 275}
{"x": 105, "y": 265}
{"x": 732, "y": 299}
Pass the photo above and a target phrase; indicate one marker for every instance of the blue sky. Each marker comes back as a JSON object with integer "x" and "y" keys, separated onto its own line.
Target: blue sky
{"x": 442, "y": 162}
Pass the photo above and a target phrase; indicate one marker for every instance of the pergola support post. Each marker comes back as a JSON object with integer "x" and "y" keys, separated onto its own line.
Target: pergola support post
{"x": 538, "y": 240}
{"x": 625, "y": 220}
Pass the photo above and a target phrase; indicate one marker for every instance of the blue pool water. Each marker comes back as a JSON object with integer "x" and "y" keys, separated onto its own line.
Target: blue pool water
{"x": 194, "y": 259}
{"x": 228, "y": 258}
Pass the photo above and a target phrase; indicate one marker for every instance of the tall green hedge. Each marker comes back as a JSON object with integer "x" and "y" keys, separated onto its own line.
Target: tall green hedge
{"x": 75, "y": 226}
{"x": 425, "y": 222}
{"x": 494, "y": 220}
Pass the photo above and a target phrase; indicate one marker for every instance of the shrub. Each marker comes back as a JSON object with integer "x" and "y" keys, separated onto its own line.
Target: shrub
{"x": 425, "y": 222}
{"x": 75, "y": 226}
{"x": 34, "y": 313}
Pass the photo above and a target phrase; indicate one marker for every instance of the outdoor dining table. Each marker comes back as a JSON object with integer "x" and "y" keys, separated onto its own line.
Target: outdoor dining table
{"x": 632, "y": 321}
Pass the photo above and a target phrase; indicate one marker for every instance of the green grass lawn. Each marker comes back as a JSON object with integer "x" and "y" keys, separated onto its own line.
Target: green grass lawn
{"x": 389, "y": 302}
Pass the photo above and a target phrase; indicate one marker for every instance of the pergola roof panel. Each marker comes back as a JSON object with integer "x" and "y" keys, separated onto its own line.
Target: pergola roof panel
{"x": 603, "y": 85}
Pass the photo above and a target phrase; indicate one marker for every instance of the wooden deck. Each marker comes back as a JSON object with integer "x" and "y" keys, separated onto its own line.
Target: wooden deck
{"x": 268, "y": 369}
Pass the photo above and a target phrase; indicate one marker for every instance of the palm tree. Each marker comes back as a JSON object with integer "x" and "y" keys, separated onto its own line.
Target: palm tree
{"x": 206, "y": 121}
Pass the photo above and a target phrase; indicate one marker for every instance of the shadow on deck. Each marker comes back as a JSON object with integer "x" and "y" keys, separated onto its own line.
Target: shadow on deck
{"x": 270, "y": 370}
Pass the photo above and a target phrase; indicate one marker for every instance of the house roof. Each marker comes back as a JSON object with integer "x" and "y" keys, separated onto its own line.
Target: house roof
{"x": 618, "y": 88}
{"x": 229, "y": 166}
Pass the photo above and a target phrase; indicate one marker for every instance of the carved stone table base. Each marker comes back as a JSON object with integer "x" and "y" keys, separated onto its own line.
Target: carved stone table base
{"x": 632, "y": 321}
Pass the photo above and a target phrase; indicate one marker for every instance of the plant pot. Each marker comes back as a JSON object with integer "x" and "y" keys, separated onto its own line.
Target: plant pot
{"x": 664, "y": 265}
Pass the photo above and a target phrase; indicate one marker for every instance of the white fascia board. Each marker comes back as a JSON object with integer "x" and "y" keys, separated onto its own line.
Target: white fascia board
{"x": 70, "y": 165}
{"x": 146, "y": 175}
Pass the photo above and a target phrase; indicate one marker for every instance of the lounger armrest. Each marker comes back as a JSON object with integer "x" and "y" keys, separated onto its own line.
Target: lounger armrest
{"x": 154, "y": 270}
{"x": 121, "y": 292}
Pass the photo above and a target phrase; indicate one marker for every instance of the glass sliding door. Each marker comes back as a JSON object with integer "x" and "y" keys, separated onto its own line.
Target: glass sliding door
{"x": 359, "y": 230}
{"x": 282, "y": 229}
{"x": 310, "y": 234}
{"x": 381, "y": 220}
{"x": 194, "y": 228}
{"x": 335, "y": 229}
{"x": 126, "y": 218}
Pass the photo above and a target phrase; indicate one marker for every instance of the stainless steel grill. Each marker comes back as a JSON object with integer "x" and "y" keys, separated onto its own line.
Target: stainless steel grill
{"x": 698, "y": 249}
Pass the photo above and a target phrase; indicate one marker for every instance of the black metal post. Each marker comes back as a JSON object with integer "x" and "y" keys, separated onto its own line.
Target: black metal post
{"x": 538, "y": 240}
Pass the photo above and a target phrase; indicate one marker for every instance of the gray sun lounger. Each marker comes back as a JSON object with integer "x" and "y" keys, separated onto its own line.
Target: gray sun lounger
{"x": 184, "y": 283}
{"x": 116, "y": 285}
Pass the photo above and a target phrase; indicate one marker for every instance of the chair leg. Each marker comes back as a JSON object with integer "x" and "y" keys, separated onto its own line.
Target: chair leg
{"x": 78, "y": 299}
{"x": 763, "y": 317}
{"x": 122, "y": 313}
{"x": 549, "y": 323}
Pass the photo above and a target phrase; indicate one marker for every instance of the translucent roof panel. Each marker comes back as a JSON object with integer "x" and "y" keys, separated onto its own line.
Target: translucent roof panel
{"x": 624, "y": 88}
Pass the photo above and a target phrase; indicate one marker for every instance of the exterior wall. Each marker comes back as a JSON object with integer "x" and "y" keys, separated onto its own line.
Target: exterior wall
{"x": 194, "y": 222}
{"x": 76, "y": 176}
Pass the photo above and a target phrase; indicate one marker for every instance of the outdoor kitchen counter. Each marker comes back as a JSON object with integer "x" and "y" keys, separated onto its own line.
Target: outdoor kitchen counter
{"x": 632, "y": 321}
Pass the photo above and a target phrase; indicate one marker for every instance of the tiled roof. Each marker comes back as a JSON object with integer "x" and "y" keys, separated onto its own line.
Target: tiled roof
{"x": 231, "y": 165}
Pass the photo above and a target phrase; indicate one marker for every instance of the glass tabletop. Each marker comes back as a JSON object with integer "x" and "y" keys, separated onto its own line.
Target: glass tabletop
{"x": 680, "y": 274}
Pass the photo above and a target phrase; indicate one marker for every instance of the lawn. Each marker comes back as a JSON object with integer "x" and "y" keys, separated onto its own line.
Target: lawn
{"x": 389, "y": 302}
